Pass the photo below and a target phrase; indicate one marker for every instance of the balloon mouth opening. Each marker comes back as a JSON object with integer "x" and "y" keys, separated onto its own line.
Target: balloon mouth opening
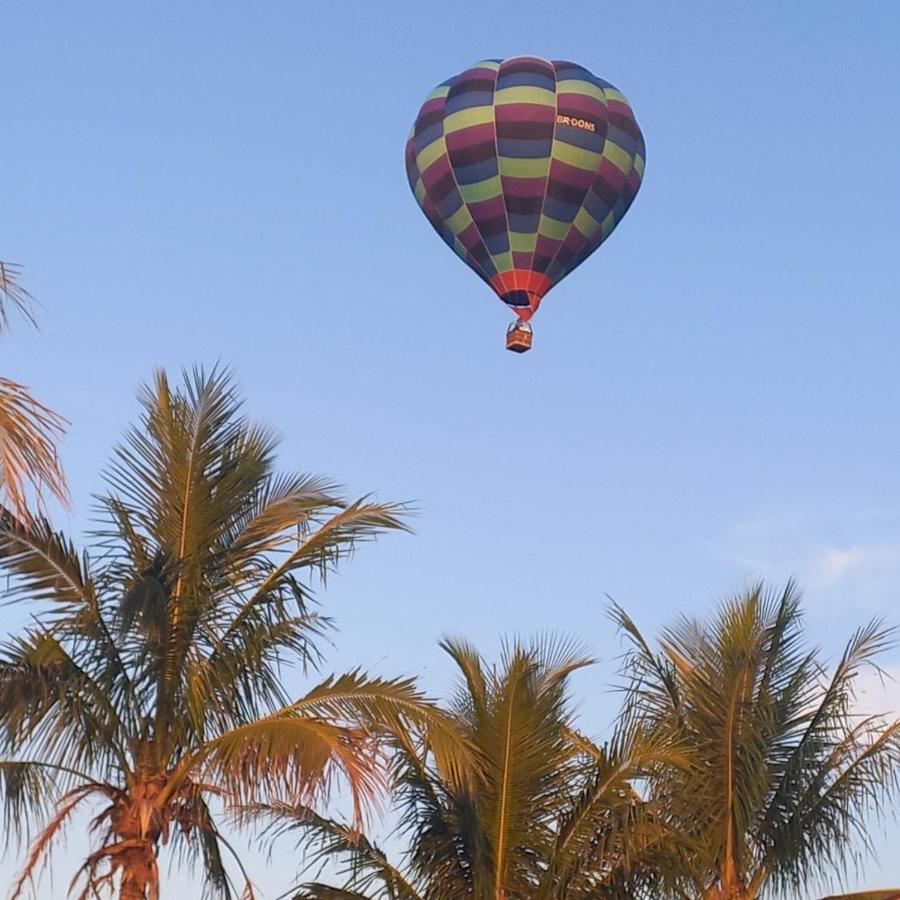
{"x": 521, "y": 290}
{"x": 523, "y": 303}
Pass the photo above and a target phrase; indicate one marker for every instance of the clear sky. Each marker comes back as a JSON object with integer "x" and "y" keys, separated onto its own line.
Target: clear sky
{"x": 712, "y": 397}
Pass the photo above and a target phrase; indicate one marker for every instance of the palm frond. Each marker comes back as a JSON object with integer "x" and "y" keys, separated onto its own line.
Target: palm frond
{"x": 523, "y": 773}
{"x": 29, "y": 464}
{"x": 609, "y": 838}
{"x": 220, "y": 544}
{"x": 12, "y": 291}
{"x": 27, "y": 791}
{"x": 42, "y": 845}
{"x": 285, "y": 505}
{"x": 292, "y": 756}
{"x": 46, "y": 564}
{"x": 241, "y": 680}
{"x": 394, "y": 707}
{"x": 47, "y": 569}
{"x": 196, "y": 827}
{"x": 331, "y": 540}
{"x": 472, "y": 697}
{"x": 651, "y": 681}
{"x": 366, "y": 868}
{"x": 48, "y": 701}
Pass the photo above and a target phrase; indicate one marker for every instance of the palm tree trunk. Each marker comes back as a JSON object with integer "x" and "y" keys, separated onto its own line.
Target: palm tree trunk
{"x": 140, "y": 876}
{"x": 131, "y": 889}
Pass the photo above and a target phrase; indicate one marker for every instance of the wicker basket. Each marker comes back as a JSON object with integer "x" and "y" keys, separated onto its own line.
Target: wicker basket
{"x": 519, "y": 338}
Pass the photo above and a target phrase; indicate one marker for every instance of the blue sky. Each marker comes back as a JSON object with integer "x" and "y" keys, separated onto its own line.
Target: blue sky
{"x": 712, "y": 397}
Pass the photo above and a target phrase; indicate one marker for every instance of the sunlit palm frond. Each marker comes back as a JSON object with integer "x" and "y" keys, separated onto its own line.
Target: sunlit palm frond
{"x": 650, "y": 679}
{"x": 292, "y": 755}
{"x": 333, "y": 729}
{"x": 196, "y": 827}
{"x": 523, "y": 739}
{"x": 47, "y": 569}
{"x": 29, "y": 464}
{"x": 395, "y": 707}
{"x": 52, "y": 831}
{"x": 30, "y": 468}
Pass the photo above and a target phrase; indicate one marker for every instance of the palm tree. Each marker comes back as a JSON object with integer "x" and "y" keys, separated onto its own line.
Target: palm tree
{"x": 784, "y": 775}
{"x": 547, "y": 814}
{"x": 150, "y": 689}
{"x": 29, "y": 465}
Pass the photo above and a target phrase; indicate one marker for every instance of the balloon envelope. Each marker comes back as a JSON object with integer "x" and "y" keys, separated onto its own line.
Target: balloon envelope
{"x": 524, "y": 167}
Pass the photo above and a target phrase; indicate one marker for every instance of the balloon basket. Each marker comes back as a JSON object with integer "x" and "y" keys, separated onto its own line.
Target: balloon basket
{"x": 519, "y": 337}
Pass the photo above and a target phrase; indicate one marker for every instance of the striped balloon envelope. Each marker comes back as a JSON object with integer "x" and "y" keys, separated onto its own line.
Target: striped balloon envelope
{"x": 524, "y": 167}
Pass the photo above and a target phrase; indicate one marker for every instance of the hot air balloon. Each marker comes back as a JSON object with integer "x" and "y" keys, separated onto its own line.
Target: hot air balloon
{"x": 524, "y": 167}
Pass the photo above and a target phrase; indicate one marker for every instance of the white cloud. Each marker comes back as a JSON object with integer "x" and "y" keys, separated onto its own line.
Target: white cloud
{"x": 879, "y": 563}
{"x": 856, "y": 553}
{"x": 834, "y": 564}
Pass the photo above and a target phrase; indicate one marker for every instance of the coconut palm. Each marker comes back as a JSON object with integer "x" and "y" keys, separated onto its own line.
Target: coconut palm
{"x": 150, "y": 689}
{"x": 784, "y": 776}
{"x": 547, "y": 815}
{"x": 29, "y": 465}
